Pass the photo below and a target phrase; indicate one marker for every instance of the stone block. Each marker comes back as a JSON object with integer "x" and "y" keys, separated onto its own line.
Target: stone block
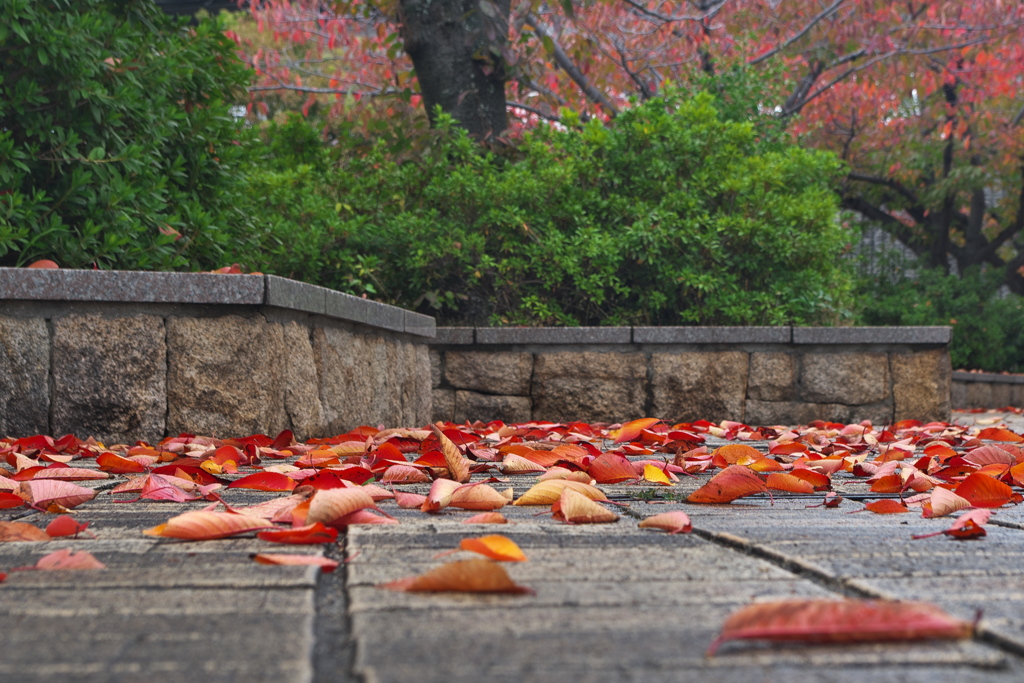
{"x": 921, "y": 385}
{"x": 958, "y": 395}
{"x": 699, "y": 386}
{"x": 130, "y": 286}
{"x": 591, "y": 386}
{"x": 712, "y": 335}
{"x": 1001, "y": 394}
{"x": 453, "y": 335}
{"x": 979, "y": 395}
{"x": 773, "y": 377}
{"x": 847, "y": 378}
{"x": 109, "y": 377}
{"x": 937, "y": 334}
{"x": 299, "y": 382}
{"x": 554, "y": 335}
{"x": 299, "y": 296}
{"x": 443, "y": 405}
{"x": 472, "y": 406}
{"x": 499, "y": 372}
{"x": 420, "y": 325}
{"x": 436, "y": 358}
{"x": 225, "y": 376}
{"x": 24, "y": 377}
{"x": 1016, "y": 396}
{"x": 423, "y": 397}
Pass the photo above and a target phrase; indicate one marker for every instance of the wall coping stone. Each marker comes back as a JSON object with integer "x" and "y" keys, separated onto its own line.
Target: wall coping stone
{"x": 123, "y": 286}
{"x": 938, "y": 334}
{"x": 924, "y": 335}
{"x": 554, "y": 335}
{"x": 988, "y": 377}
{"x": 712, "y": 335}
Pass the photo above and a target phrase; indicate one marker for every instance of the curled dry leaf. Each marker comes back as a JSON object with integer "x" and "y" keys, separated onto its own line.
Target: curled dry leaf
{"x": 202, "y": 525}
{"x": 408, "y": 501}
{"x": 440, "y": 495}
{"x": 738, "y": 454}
{"x": 362, "y": 517}
{"x": 457, "y": 467}
{"x": 302, "y": 535}
{"x": 675, "y": 522}
{"x": 631, "y": 430}
{"x": 990, "y": 455}
{"x": 67, "y": 559}
{"x": 840, "y": 621}
{"x": 517, "y": 464}
{"x": 734, "y": 482}
{"x": 69, "y": 474}
{"x": 465, "y": 576}
{"x": 573, "y": 507}
{"x": 547, "y": 492}
{"x": 788, "y": 482}
{"x": 495, "y": 547}
{"x": 325, "y": 564}
{"x": 563, "y": 473}
{"x": 41, "y": 493}
{"x": 968, "y": 525}
{"x": 21, "y": 531}
{"x": 404, "y": 474}
{"x": 944, "y": 502}
{"x": 328, "y": 505}
{"x": 477, "y": 497}
{"x": 486, "y": 518}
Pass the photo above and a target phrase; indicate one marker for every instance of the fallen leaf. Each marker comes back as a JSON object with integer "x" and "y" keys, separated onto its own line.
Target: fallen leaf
{"x": 69, "y": 474}
{"x": 21, "y": 531}
{"x": 40, "y": 493}
{"x": 486, "y": 518}
{"x": 547, "y": 492}
{"x": 404, "y": 474}
{"x": 517, "y": 464}
{"x": 735, "y": 481}
{"x": 10, "y": 500}
{"x": 675, "y": 522}
{"x": 630, "y": 431}
{"x": 984, "y": 492}
{"x": 968, "y": 525}
{"x": 201, "y": 525}
{"x": 944, "y": 502}
{"x": 362, "y": 517}
{"x": 302, "y": 535}
{"x": 65, "y": 525}
{"x": 840, "y": 621}
{"x": 264, "y": 481}
{"x": 325, "y": 564}
{"x": 997, "y": 434}
{"x": 408, "y": 501}
{"x": 611, "y": 468}
{"x": 738, "y": 454}
{"x": 788, "y": 482}
{"x": 495, "y": 547}
{"x": 464, "y": 576}
{"x": 477, "y": 497}
{"x": 328, "y": 505}
{"x": 457, "y": 467}
{"x": 67, "y": 559}
{"x": 656, "y": 475}
{"x": 887, "y": 506}
{"x": 440, "y": 495}
{"x": 573, "y": 507}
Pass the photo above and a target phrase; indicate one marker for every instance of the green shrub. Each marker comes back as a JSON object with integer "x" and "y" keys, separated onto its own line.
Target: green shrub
{"x": 668, "y": 215}
{"x": 117, "y": 146}
{"x": 988, "y": 324}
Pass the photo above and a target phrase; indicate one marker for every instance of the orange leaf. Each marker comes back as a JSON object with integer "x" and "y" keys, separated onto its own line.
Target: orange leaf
{"x": 517, "y": 464}
{"x": 818, "y": 480}
{"x": 302, "y": 535}
{"x": 788, "y": 482}
{"x": 201, "y": 525}
{"x": 676, "y": 522}
{"x": 611, "y": 468}
{"x": 115, "y": 464}
{"x": 575, "y": 508}
{"x": 887, "y": 506}
{"x": 325, "y": 564}
{"x": 547, "y": 492}
{"x": 735, "y": 481}
{"x": 457, "y": 467}
{"x": 65, "y": 525}
{"x": 487, "y": 518}
{"x": 328, "y": 505}
{"x": 465, "y": 576}
{"x": 997, "y": 434}
{"x": 495, "y": 547}
{"x": 845, "y": 621}
{"x": 67, "y": 559}
{"x": 264, "y": 481}
{"x": 631, "y": 430}
{"x": 477, "y": 497}
{"x": 984, "y": 492}
{"x": 738, "y": 454}
{"x": 21, "y": 531}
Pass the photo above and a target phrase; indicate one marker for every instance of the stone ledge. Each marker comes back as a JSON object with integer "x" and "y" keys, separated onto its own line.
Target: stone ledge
{"x": 553, "y": 335}
{"x": 872, "y": 335}
{"x": 123, "y": 286}
{"x": 987, "y": 377}
{"x": 712, "y": 335}
{"x": 454, "y": 335}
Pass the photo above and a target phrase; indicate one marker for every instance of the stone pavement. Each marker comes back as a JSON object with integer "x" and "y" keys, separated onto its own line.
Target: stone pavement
{"x": 613, "y": 602}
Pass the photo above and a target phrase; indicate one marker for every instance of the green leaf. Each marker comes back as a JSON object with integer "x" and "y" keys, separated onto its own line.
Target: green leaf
{"x": 97, "y": 154}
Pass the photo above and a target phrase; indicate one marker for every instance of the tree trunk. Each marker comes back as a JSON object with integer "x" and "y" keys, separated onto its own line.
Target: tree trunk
{"x": 456, "y": 48}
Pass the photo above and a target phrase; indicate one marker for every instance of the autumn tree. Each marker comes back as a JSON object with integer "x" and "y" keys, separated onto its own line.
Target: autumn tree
{"x": 921, "y": 99}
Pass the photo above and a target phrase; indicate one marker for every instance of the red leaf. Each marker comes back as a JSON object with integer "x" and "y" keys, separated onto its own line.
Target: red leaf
{"x": 886, "y": 507}
{"x": 264, "y": 481}
{"x": 984, "y": 492}
{"x": 735, "y": 481}
{"x": 997, "y": 434}
{"x": 611, "y": 468}
{"x": 67, "y": 559}
{"x": 65, "y": 525}
{"x": 303, "y": 535}
{"x": 325, "y": 564}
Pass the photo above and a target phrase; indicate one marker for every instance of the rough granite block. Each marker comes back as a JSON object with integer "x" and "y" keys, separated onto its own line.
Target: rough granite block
{"x": 979, "y": 395}
{"x": 299, "y": 383}
{"x": 939, "y": 334}
{"x": 346, "y": 307}
{"x": 109, "y": 377}
{"x": 130, "y": 286}
{"x": 712, "y": 335}
{"x": 921, "y": 385}
{"x": 420, "y": 325}
{"x": 355, "y": 384}
{"x": 388, "y": 317}
{"x": 225, "y": 376}
{"x": 553, "y": 335}
{"x": 958, "y": 395}
{"x": 764, "y": 413}
{"x": 295, "y": 295}
{"x": 422, "y": 399}
{"x": 773, "y": 376}
{"x": 24, "y": 377}
{"x": 847, "y": 378}
{"x": 443, "y": 405}
{"x": 699, "y": 386}
{"x": 991, "y": 377}
{"x": 489, "y": 372}
{"x": 590, "y": 386}
{"x": 453, "y": 335}
{"x": 472, "y": 406}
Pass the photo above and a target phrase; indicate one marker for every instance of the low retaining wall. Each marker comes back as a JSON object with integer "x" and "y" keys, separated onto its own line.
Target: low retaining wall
{"x": 760, "y": 375}
{"x": 131, "y": 355}
{"x": 987, "y": 390}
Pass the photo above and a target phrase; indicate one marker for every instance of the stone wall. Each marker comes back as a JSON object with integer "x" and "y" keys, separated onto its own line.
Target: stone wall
{"x": 758, "y": 375}
{"x": 987, "y": 390}
{"x": 124, "y": 356}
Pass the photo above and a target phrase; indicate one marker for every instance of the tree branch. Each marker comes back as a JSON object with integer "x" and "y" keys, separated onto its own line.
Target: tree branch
{"x": 891, "y": 225}
{"x": 533, "y": 110}
{"x": 570, "y": 68}
{"x": 799, "y": 34}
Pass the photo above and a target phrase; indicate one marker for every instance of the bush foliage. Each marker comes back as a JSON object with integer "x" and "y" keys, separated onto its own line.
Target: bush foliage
{"x": 117, "y": 146}
{"x": 671, "y": 214}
